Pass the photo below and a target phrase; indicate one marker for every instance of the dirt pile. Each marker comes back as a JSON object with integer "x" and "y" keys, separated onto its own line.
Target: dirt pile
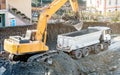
{"x": 42, "y": 68}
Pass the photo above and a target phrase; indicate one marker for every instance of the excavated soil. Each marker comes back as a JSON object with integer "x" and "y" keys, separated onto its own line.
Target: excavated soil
{"x": 52, "y": 29}
{"x": 104, "y": 63}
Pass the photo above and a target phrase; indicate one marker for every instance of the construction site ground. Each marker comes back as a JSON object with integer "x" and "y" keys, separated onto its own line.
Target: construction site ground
{"x": 103, "y": 63}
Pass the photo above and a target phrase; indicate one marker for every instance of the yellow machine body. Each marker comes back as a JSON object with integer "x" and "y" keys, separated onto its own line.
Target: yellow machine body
{"x": 19, "y": 49}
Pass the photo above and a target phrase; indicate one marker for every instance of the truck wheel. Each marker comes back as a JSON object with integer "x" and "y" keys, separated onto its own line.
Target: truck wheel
{"x": 85, "y": 52}
{"x": 97, "y": 49}
{"x": 105, "y": 46}
{"x": 77, "y": 54}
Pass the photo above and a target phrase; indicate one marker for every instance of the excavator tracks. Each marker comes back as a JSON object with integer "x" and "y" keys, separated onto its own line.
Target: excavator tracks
{"x": 43, "y": 57}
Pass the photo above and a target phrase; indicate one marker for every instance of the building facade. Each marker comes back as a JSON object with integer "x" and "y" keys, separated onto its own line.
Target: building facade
{"x": 104, "y": 6}
{"x": 15, "y": 12}
{"x": 2, "y": 12}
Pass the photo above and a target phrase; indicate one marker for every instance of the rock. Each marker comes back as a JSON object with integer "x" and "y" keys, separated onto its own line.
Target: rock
{"x": 2, "y": 70}
{"x": 112, "y": 68}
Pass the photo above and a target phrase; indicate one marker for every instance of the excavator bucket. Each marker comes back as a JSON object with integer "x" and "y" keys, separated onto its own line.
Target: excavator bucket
{"x": 60, "y": 28}
{"x": 68, "y": 24}
{"x": 76, "y": 24}
{"x": 73, "y": 21}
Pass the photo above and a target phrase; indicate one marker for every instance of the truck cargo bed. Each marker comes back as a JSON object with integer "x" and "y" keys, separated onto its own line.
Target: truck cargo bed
{"x": 78, "y": 39}
{"x": 82, "y": 32}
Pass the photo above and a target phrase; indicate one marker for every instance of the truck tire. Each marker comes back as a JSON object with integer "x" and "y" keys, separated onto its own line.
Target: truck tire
{"x": 85, "y": 51}
{"x": 77, "y": 54}
{"x": 97, "y": 49}
{"x": 105, "y": 46}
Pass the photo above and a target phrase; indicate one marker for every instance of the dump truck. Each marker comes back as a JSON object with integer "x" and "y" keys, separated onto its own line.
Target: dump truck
{"x": 81, "y": 43}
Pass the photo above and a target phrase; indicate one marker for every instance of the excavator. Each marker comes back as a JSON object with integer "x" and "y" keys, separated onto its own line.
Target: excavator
{"x": 34, "y": 41}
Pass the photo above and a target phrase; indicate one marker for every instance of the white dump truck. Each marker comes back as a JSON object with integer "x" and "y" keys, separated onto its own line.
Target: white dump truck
{"x": 81, "y": 43}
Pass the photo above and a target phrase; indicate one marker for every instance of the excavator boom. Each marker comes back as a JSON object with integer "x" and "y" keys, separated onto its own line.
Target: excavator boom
{"x": 49, "y": 11}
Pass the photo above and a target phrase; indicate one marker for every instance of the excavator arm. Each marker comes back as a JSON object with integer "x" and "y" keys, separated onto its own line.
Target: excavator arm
{"x": 48, "y": 12}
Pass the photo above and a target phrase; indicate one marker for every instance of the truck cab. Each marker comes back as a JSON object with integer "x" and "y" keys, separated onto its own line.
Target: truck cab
{"x": 106, "y": 31}
{"x": 106, "y": 34}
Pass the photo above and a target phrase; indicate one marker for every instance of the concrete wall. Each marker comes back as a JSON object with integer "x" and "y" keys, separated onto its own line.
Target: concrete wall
{"x": 23, "y": 5}
{"x": 9, "y": 16}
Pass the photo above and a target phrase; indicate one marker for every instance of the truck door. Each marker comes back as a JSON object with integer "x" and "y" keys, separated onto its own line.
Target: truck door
{"x": 107, "y": 36}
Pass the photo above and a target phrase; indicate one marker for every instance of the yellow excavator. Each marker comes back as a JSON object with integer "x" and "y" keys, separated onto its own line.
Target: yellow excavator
{"x": 35, "y": 40}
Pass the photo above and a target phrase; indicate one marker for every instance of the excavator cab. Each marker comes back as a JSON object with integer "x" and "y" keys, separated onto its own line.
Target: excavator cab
{"x": 30, "y": 36}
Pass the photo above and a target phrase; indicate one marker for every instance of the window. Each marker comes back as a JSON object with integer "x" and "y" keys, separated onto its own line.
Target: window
{"x": 109, "y": 2}
{"x": 90, "y": 1}
{"x": 12, "y": 22}
{"x": 116, "y": 2}
{"x": 100, "y": 2}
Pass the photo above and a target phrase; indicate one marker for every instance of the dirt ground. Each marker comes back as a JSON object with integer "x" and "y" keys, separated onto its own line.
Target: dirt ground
{"x": 104, "y": 63}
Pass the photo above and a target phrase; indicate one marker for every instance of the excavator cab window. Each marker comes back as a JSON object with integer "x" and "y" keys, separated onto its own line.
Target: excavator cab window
{"x": 30, "y": 35}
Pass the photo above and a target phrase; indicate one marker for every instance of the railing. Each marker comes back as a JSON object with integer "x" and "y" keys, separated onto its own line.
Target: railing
{"x": 19, "y": 14}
